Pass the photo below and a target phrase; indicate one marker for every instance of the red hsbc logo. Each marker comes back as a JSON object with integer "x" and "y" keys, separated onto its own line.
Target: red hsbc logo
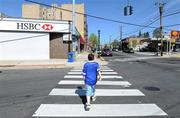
{"x": 47, "y": 27}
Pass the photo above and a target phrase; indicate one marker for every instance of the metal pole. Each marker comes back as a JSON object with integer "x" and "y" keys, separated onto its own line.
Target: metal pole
{"x": 110, "y": 41}
{"x": 167, "y": 46}
{"x": 170, "y": 46}
{"x": 161, "y": 5}
{"x": 120, "y": 32}
{"x": 73, "y": 26}
{"x": 99, "y": 43}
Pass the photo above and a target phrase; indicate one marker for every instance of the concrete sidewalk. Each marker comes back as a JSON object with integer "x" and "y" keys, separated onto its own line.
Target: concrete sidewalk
{"x": 79, "y": 61}
{"x": 173, "y": 54}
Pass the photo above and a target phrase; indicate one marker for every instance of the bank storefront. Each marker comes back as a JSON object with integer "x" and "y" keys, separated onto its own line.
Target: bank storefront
{"x": 27, "y": 39}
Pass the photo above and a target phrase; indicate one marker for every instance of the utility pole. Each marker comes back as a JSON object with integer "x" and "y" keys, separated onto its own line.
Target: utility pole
{"x": 110, "y": 41}
{"x": 120, "y": 32}
{"x": 99, "y": 48}
{"x": 161, "y": 6}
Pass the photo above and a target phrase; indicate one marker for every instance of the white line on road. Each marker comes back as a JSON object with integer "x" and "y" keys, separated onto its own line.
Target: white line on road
{"x": 103, "y": 70}
{"x": 99, "y": 92}
{"x": 98, "y": 110}
{"x": 103, "y": 73}
{"x": 81, "y": 82}
{"x": 103, "y": 76}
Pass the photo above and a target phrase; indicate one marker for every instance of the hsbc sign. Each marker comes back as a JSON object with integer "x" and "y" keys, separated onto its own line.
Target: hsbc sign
{"x": 48, "y": 27}
{"x": 34, "y": 25}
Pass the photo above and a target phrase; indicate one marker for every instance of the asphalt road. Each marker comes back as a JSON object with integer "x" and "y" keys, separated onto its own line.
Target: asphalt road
{"x": 158, "y": 79}
{"x": 23, "y": 91}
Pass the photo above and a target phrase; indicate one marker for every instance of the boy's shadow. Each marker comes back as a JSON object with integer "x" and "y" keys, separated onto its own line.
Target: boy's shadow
{"x": 81, "y": 94}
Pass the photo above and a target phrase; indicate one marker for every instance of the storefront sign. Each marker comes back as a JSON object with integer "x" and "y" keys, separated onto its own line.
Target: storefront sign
{"x": 34, "y": 25}
{"x": 67, "y": 37}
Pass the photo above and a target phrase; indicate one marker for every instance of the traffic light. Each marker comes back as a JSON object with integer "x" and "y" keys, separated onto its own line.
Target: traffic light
{"x": 125, "y": 11}
{"x": 130, "y": 10}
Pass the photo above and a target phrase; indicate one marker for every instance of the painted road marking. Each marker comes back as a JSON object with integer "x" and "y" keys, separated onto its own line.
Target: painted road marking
{"x": 81, "y": 82}
{"x": 99, "y": 92}
{"x": 102, "y": 70}
{"x": 103, "y": 73}
{"x": 98, "y": 110}
{"x": 103, "y": 76}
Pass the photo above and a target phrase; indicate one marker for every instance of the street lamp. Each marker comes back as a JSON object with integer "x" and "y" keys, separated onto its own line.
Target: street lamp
{"x": 99, "y": 40}
{"x": 73, "y": 25}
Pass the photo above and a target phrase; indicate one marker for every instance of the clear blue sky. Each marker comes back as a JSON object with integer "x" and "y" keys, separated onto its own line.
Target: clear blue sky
{"x": 144, "y": 12}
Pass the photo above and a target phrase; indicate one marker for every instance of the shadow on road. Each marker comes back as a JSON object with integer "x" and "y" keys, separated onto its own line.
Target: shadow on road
{"x": 81, "y": 94}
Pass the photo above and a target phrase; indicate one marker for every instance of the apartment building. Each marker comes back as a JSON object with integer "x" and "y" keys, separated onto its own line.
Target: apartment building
{"x": 59, "y": 13}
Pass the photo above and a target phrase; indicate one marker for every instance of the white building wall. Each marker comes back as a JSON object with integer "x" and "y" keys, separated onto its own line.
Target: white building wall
{"x": 24, "y": 46}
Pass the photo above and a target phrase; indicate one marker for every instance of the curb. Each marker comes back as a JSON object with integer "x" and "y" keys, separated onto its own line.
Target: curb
{"x": 6, "y": 67}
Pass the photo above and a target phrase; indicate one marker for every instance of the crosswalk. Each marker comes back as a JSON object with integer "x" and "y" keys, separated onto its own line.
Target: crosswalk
{"x": 112, "y": 85}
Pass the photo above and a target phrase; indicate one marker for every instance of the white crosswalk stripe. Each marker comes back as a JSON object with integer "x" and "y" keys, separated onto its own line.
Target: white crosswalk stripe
{"x": 102, "y": 70}
{"x": 99, "y": 92}
{"x": 103, "y": 76}
{"x": 97, "y": 110}
{"x": 81, "y": 82}
{"x": 103, "y": 73}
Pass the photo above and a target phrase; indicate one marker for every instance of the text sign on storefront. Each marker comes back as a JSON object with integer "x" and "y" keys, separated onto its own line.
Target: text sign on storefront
{"x": 34, "y": 25}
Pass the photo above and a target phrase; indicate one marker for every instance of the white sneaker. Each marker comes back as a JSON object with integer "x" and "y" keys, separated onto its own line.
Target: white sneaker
{"x": 93, "y": 98}
{"x": 87, "y": 107}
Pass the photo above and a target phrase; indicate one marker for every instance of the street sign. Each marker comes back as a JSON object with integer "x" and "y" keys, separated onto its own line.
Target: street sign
{"x": 175, "y": 34}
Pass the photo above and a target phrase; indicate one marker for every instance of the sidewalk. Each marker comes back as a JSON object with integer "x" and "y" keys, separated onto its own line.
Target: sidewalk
{"x": 52, "y": 63}
{"x": 173, "y": 54}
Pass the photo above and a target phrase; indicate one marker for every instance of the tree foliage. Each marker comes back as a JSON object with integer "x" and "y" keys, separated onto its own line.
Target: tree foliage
{"x": 157, "y": 33}
{"x": 93, "y": 40}
{"x": 115, "y": 44}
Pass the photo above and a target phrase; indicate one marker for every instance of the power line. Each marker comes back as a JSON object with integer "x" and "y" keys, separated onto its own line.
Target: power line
{"x": 106, "y": 19}
{"x": 172, "y": 25}
{"x": 167, "y": 15}
{"x": 93, "y": 16}
{"x": 156, "y": 19}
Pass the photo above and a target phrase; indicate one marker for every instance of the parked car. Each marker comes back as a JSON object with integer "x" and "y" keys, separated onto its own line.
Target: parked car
{"x": 115, "y": 49}
{"x": 128, "y": 50}
{"x": 106, "y": 52}
{"x": 144, "y": 49}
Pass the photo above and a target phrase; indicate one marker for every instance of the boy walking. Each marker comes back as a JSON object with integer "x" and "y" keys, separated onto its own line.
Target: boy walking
{"x": 91, "y": 70}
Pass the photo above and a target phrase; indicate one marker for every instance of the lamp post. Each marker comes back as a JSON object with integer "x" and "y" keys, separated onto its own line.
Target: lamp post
{"x": 99, "y": 40}
{"x": 73, "y": 25}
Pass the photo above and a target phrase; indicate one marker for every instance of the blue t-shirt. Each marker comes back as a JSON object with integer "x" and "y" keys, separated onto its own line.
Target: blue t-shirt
{"x": 90, "y": 71}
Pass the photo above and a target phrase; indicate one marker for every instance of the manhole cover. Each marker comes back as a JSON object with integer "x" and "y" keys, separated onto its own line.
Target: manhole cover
{"x": 27, "y": 96}
{"x": 151, "y": 88}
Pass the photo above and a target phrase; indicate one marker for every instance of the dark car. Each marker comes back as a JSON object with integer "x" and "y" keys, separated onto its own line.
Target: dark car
{"x": 128, "y": 50}
{"x": 144, "y": 49}
{"x": 106, "y": 52}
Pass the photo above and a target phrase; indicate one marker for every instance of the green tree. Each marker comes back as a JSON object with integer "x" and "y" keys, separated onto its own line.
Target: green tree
{"x": 146, "y": 35}
{"x": 140, "y": 34}
{"x": 134, "y": 43}
{"x": 93, "y": 40}
{"x": 115, "y": 44}
{"x": 157, "y": 33}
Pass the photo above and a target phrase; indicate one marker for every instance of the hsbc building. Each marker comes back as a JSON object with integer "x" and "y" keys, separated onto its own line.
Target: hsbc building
{"x": 29, "y": 39}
